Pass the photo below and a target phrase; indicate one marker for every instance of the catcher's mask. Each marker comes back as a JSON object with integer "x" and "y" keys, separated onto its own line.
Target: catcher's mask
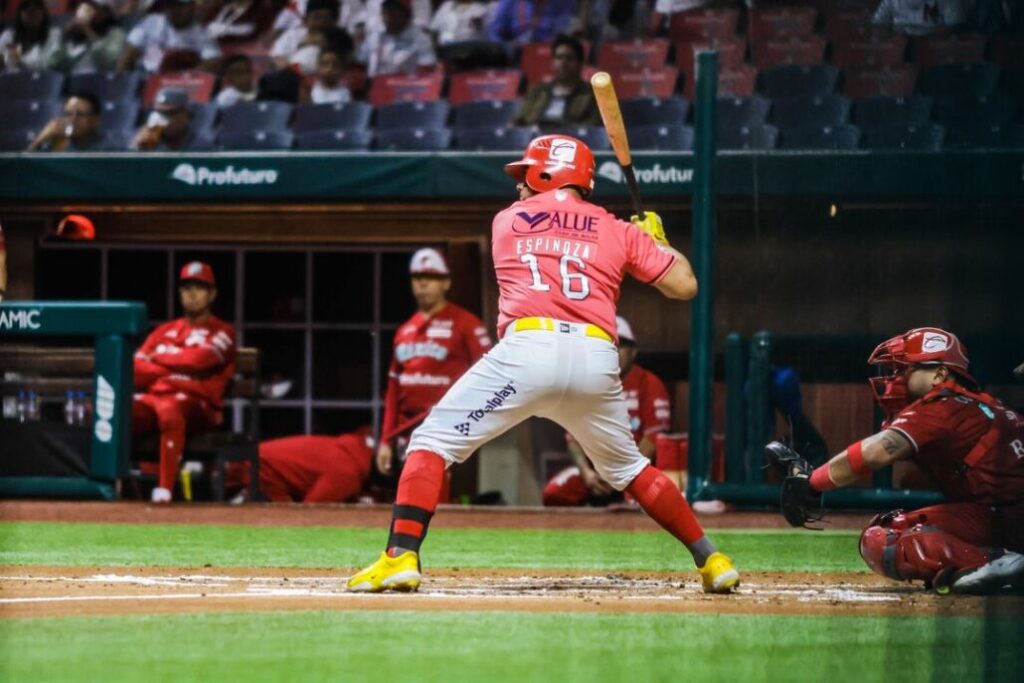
{"x": 551, "y": 162}
{"x": 919, "y": 346}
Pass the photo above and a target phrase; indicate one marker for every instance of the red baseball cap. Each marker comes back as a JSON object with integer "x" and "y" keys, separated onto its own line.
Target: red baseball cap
{"x": 197, "y": 271}
{"x": 428, "y": 261}
{"x": 76, "y": 227}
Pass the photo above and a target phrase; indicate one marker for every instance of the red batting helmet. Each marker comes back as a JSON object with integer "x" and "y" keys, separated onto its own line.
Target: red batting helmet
{"x": 920, "y": 346}
{"x": 551, "y": 162}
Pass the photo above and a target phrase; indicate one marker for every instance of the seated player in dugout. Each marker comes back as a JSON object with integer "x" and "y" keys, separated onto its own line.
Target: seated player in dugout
{"x": 181, "y": 372}
{"x": 309, "y": 468}
{"x": 432, "y": 349}
{"x": 650, "y": 414}
{"x": 967, "y": 441}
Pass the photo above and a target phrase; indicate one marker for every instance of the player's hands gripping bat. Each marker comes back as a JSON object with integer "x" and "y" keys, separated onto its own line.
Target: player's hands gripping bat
{"x": 796, "y": 497}
{"x": 651, "y": 224}
{"x": 608, "y": 105}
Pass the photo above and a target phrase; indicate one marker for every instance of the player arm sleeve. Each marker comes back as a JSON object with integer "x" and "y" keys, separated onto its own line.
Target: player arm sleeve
{"x": 390, "y": 419}
{"x": 928, "y": 423}
{"x": 646, "y": 261}
{"x": 217, "y": 351}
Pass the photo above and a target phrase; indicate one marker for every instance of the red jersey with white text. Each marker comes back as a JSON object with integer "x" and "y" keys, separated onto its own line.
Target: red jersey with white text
{"x": 647, "y": 403}
{"x": 194, "y": 359}
{"x": 971, "y": 444}
{"x": 559, "y": 256}
{"x": 430, "y": 353}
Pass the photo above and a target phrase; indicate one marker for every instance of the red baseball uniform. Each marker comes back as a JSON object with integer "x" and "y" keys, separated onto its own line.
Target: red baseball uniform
{"x": 314, "y": 469}
{"x": 649, "y": 413}
{"x": 181, "y": 371}
{"x": 430, "y": 353}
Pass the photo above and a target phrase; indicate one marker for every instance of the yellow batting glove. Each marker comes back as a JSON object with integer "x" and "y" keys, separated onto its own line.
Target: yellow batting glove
{"x": 651, "y": 224}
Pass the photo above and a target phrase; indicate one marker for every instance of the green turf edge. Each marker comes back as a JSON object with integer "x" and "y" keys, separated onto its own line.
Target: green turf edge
{"x": 495, "y": 647}
{"x": 87, "y": 544}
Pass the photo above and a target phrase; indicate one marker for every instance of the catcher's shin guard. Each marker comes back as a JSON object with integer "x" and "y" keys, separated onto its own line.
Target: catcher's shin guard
{"x": 896, "y": 547}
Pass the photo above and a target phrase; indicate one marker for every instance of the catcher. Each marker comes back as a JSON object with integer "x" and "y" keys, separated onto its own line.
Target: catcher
{"x": 967, "y": 441}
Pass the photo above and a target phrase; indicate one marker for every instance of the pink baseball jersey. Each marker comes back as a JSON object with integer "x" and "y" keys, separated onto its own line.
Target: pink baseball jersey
{"x": 559, "y": 256}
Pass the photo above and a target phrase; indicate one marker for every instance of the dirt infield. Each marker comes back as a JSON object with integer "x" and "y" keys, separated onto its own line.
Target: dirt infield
{"x": 56, "y": 591}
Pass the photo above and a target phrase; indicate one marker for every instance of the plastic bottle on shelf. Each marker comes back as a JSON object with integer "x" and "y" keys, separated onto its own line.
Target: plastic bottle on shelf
{"x": 83, "y": 409}
{"x": 70, "y": 409}
{"x": 22, "y": 406}
{"x": 33, "y": 411}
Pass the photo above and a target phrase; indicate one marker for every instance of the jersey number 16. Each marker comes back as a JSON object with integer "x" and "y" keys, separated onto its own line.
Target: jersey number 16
{"x": 575, "y": 286}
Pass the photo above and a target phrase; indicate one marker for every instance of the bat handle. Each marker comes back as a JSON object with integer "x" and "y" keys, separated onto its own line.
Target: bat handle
{"x": 634, "y": 191}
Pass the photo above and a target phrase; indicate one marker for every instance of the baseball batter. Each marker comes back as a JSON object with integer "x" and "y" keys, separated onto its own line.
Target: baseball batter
{"x": 649, "y": 414}
{"x": 432, "y": 349}
{"x": 181, "y": 372}
{"x": 560, "y": 261}
{"x": 968, "y": 442}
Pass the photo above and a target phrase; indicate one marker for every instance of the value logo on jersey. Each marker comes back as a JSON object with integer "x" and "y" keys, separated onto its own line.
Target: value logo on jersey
{"x": 497, "y": 399}
{"x": 532, "y": 224}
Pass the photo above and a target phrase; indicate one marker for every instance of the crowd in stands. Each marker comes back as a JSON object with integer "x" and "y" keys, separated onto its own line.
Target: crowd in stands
{"x": 103, "y": 75}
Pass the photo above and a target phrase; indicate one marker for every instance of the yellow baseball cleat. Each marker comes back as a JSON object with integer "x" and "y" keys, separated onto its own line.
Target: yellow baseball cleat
{"x": 718, "y": 575}
{"x": 400, "y": 573}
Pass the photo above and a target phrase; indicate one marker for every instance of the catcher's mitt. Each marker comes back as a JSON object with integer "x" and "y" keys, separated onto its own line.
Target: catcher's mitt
{"x": 799, "y": 502}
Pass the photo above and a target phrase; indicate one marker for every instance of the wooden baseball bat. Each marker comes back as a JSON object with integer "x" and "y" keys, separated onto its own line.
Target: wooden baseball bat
{"x": 608, "y": 104}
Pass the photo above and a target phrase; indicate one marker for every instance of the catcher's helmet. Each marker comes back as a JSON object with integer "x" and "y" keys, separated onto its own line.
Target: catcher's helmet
{"x": 919, "y": 346}
{"x": 551, "y": 162}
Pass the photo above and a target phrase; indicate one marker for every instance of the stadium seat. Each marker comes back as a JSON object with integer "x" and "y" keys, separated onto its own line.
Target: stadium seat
{"x": 659, "y": 82}
{"x": 860, "y": 52}
{"x": 253, "y": 116}
{"x": 731, "y": 82}
{"x": 892, "y": 111}
{"x": 595, "y": 136}
{"x": 28, "y": 114}
{"x": 331, "y": 117}
{"x": 791, "y": 81}
{"x": 820, "y": 137}
{"x": 423, "y": 115}
{"x": 850, "y": 25}
{"x": 535, "y": 61}
{"x": 203, "y": 116}
{"x": 757, "y": 137}
{"x": 808, "y": 50}
{"x": 119, "y": 115}
{"x": 340, "y": 139}
{"x": 924, "y": 138}
{"x": 476, "y": 86}
{"x": 979, "y": 80}
{"x": 817, "y": 110}
{"x": 107, "y": 86}
{"x": 951, "y": 48}
{"x": 199, "y": 85}
{"x": 742, "y": 112}
{"x": 633, "y": 55}
{"x": 996, "y": 110}
{"x": 493, "y": 139}
{"x": 985, "y": 137}
{"x": 652, "y": 111}
{"x": 179, "y": 60}
{"x": 30, "y": 85}
{"x": 677, "y": 138}
{"x": 730, "y": 54}
{"x": 16, "y": 140}
{"x": 237, "y": 140}
{"x": 886, "y": 81}
{"x": 484, "y": 114}
{"x": 414, "y": 139}
{"x": 773, "y": 23}
{"x": 703, "y": 25}
{"x": 118, "y": 140}
{"x": 392, "y": 88}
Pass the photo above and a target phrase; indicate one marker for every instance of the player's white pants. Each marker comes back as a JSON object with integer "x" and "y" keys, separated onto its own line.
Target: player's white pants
{"x": 563, "y": 376}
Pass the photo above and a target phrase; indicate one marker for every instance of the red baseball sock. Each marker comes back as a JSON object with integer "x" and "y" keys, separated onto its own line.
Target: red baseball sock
{"x": 663, "y": 502}
{"x": 419, "y": 490}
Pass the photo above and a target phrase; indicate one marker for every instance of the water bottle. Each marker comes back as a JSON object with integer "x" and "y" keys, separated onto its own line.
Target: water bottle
{"x": 22, "y": 406}
{"x": 83, "y": 409}
{"x": 32, "y": 413}
{"x": 70, "y": 409}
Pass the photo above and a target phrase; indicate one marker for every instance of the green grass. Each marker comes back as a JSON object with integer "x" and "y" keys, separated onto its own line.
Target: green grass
{"x": 492, "y": 647}
{"x": 180, "y": 545}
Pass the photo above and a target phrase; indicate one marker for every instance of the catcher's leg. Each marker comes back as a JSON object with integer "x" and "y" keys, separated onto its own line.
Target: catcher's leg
{"x": 924, "y": 544}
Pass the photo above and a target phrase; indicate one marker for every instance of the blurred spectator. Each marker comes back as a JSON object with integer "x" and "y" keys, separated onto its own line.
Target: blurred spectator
{"x": 76, "y": 130}
{"x": 32, "y": 43}
{"x": 530, "y": 21}
{"x": 614, "y": 19}
{"x": 459, "y": 21}
{"x": 174, "y": 30}
{"x": 401, "y": 47}
{"x": 169, "y": 126}
{"x": 301, "y": 44}
{"x": 920, "y": 17}
{"x": 238, "y": 21}
{"x": 566, "y": 100}
{"x": 664, "y": 9}
{"x": 329, "y": 88}
{"x": 93, "y": 39}
{"x": 358, "y": 17}
{"x": 237, "y": 81}
{"x": 280, "y": 86}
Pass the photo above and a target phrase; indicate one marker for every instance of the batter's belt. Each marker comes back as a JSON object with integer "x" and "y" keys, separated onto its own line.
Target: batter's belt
{"x": 552, "y": 325}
